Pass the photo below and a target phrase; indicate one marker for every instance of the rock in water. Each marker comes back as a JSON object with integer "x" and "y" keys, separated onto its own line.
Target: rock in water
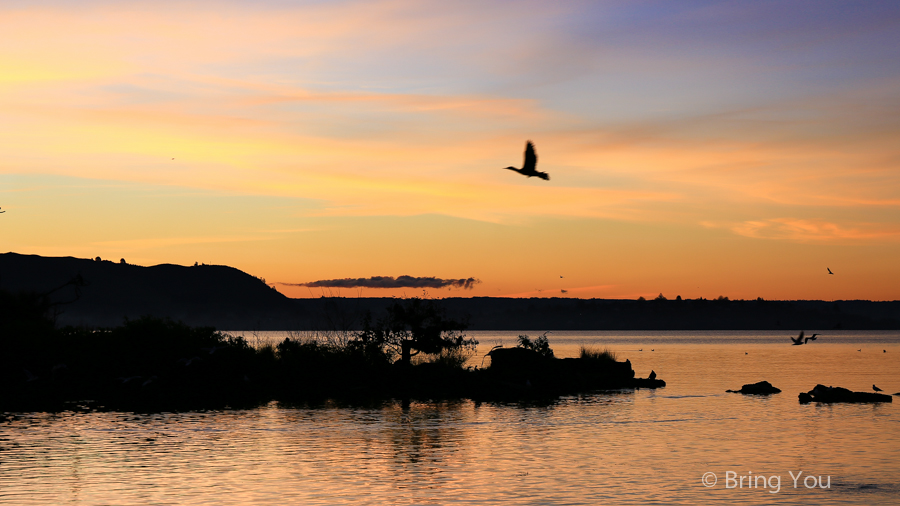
{"x": 821, "y": 393}
{"x": 761, "y": 388}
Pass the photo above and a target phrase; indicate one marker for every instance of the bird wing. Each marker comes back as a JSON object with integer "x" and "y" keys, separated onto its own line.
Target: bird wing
{"x": 530, "y": 157}
{"x": 829, "y": 271}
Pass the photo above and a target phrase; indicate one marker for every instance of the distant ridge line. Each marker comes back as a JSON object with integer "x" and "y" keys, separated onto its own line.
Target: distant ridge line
{"x": 230, "y": 299}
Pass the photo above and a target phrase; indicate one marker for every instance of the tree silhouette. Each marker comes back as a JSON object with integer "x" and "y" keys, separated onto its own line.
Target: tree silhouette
{"x": 411, "y": 327}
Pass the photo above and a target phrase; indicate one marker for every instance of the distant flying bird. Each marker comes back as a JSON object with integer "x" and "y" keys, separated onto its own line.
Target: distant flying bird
{"x": 829, "y": 271}
{"x": 876, "y": 388}
{"x": 5, "y": 211}
{"x": 810, "y": 338}
{"x": 530, "y": 164}
{"x": 799, "y": 340}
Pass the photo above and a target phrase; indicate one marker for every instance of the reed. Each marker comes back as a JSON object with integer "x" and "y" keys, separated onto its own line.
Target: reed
{"x": 453, "y": 358}
{"x": 592, "y": 353}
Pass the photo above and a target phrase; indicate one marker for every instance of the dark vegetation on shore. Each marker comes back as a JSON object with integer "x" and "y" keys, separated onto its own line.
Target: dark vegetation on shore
{"x": 227, "y": 298}
{"x": 414, "y": 352}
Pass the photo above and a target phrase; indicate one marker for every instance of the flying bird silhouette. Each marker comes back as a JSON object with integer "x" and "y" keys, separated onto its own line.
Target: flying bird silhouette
{"x": 530, "y": 163}
{"x": 876, "y": 388}
{"x": 829, "y": 271}
{"x": 810, "y": 338}
{"x": 2, "y": 211}
{"x": 799, "y": 340}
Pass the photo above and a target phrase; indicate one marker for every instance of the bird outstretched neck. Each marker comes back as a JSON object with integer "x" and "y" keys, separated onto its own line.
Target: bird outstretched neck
{"x": 528, "y": 169}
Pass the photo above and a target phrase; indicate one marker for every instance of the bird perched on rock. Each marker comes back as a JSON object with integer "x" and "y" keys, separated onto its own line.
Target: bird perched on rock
{"x": 876, "y": 388}
{"x": 652, "y": 375}
{"x": 528, "y": 169}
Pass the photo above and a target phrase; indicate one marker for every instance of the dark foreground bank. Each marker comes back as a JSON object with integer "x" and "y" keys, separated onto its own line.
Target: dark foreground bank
{"x": 157, "y": 364}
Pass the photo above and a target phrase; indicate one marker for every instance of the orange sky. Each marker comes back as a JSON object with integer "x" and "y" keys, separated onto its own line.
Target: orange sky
{"x": 700, "y": 150}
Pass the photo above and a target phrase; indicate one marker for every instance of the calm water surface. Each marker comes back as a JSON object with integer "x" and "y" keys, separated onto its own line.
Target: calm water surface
{"x": 634, "y": 447}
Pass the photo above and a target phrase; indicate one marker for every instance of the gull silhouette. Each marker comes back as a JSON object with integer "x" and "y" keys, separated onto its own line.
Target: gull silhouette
{"x": 876, "y": 388}
{"x": 800, "y": 340}
{"x": 530, "y": 164}
{"x": 829, "y": 271}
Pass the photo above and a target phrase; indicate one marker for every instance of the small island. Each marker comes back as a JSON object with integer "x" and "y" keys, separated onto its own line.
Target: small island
{"x": 149, "y": 363}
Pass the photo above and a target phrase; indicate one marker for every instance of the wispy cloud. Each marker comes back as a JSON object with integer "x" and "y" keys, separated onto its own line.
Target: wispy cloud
{"x": 390, "y": 282}
{"x": 811, "y": 231}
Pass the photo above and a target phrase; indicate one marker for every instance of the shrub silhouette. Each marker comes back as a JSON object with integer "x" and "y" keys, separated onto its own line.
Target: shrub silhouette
{"x": 415, "y": 324}
{"x": 540, "y": 345}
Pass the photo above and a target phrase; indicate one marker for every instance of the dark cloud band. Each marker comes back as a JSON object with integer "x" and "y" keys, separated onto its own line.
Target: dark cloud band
{"x": 390, "y": 282}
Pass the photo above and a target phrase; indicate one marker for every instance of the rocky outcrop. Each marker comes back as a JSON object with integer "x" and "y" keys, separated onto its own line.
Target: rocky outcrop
{"x": 647, "y": 383}
{"x": 821, "y": 393}
{"x": 761, "y": 388}
{"x": 523, "y": 372}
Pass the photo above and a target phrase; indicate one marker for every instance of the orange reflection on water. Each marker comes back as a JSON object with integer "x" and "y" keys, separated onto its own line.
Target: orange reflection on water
{"x": 630, "y": 447}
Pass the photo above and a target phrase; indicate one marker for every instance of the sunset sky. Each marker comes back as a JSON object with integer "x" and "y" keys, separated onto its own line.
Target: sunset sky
{"x": 694, "y": 148}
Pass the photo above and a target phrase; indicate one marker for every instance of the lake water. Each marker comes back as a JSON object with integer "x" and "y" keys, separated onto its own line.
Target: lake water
{"x": 629, "y": 447}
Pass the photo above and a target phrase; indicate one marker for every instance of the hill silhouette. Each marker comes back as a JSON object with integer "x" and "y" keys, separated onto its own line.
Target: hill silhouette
{"x": 230, "y": 299}
{"x": 215, "y": 295}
